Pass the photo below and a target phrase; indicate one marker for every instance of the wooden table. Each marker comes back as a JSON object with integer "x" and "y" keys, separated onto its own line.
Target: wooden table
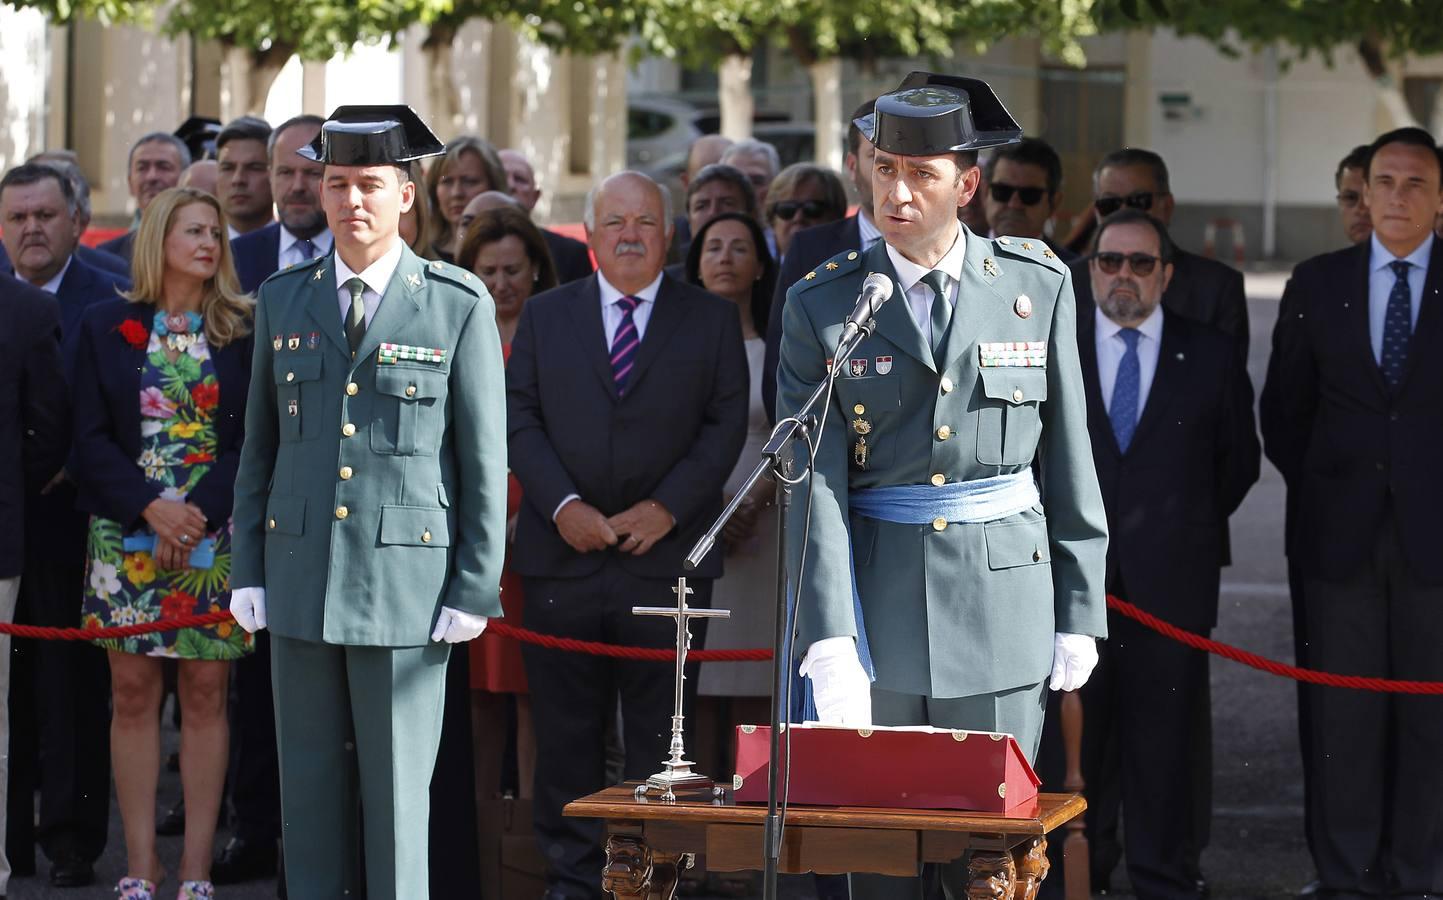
{"x": 649, "y": 843}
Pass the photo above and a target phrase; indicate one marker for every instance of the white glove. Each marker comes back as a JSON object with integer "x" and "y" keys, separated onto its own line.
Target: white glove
{"x": 454, "y": 626}
{"x": 840, "y": 685}
{"x": 1074, "y": 656}
{"x": 248, "y": 605}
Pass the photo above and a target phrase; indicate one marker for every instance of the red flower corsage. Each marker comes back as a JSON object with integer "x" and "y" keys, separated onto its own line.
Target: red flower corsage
{"x": 135, "y": 334}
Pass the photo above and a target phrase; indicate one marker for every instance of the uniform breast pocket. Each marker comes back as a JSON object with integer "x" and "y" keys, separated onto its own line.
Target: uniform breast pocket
{"x": 1009, "y": 415}
{"x": 409, "y": 400}
{"x": 297, "y": 385}
{"x": 870, "y": 410}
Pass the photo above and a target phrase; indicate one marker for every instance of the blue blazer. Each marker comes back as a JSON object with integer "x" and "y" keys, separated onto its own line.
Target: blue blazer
{"x": 123, "y": 247}
{"x": 256, "y": 256}
{"x": 82, "y": 287}
{"x": 96, "y": 259}
{"x": 107, "y": 419}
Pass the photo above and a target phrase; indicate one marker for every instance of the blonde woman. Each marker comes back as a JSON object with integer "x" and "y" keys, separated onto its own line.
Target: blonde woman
{"x": 471, "y": 166}
{"x": 160, "y": 385}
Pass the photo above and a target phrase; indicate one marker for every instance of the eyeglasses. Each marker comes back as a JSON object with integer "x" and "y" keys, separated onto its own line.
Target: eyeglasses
{"x": 1106, "y": 206}
{"x": 1002, "y": 193}
{"x": 788, "y": 209}
{"x": 1349, "y": 199}
{"x": 1141, "y": 264}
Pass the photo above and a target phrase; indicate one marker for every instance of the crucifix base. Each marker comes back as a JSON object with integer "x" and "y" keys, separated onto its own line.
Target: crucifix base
{"x": 667, "y": 784}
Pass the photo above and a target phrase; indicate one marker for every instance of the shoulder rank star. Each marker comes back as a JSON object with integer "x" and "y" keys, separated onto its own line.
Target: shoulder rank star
{"x": 831, "y": 266}
{"x": 1049, "y": 254}
{"x": 1026, "y": 245}
{"x": 989, "y": 267}
{"x": 809, "y": 276}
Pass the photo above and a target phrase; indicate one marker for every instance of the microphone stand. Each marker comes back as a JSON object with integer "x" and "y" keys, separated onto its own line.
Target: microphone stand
{"x": 787, "y": 430}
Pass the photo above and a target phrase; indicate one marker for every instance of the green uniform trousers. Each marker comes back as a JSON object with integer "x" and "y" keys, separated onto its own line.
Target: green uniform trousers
{"x": 357, "y": 727}
{"x": 1017, "y": 712}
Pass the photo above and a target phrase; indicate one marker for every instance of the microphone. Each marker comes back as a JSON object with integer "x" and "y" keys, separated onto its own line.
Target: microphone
{"x": 876, "y": 290}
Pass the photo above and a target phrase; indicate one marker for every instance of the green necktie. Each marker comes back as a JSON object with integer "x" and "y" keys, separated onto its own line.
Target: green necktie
{"x": 941, "y": 312}
{"x": 356, "y": 316}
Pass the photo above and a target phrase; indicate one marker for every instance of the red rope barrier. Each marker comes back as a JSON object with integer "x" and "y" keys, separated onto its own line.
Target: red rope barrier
{"x": 597, "y": 648}
{"x": 119, "y": 631}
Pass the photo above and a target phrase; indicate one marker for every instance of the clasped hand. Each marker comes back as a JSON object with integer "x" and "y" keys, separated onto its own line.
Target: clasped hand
{"x": 178, "y": 526}
{"x": 635, "y": 530}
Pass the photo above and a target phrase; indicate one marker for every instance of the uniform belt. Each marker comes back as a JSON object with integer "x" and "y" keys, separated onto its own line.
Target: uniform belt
{"x": 982, "y": 500}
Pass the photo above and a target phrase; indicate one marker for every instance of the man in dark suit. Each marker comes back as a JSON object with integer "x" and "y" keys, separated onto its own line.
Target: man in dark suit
{"x": 1024, "y": 185}
{"x": 1201, "y": 289}
{"x": 627, "y": 408}
{"x": 156, "y": 163}
{"x": 34, "y": 436}
{"x": 243, "y": 184}
{"x": 1176, "y": 450}
{"x": 812, "y": 246}
{"x": 58, "y": 701}
{"x": 571, "y": 257}
{"x": 301, "y": 233}
{"x": 67, "y": 163}
{"x": 1351, "y": 415}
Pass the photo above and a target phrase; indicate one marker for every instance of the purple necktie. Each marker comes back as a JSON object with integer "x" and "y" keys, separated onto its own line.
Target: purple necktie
{"x": 625, "y": 344}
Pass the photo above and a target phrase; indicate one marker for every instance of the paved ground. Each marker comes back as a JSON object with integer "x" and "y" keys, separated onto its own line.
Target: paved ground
{"x": 1257, "y": 848}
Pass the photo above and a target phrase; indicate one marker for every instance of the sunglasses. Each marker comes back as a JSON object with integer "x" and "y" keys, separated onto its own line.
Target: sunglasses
{"x": 1002, "y": 193}
{"x": 1106, "y": 206}
{"x": 1141, "y": 263}
{"x": 788, "y": 209}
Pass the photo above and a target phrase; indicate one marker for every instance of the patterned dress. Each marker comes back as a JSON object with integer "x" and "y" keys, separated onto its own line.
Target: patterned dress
{"x": 126, "y": 586}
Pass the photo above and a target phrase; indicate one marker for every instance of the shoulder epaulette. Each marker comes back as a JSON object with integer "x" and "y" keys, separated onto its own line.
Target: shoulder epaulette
{"x": 837, "y": 266}
{"x": 1031, "y": 249}
{"x": 294, "y": 269}
{"x": 454, "y": 275}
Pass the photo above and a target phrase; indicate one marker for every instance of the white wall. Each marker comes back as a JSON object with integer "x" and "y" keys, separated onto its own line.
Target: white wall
{"x": 23, "y": 66}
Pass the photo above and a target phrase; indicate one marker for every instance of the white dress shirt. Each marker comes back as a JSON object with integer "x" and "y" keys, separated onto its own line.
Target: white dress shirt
{"x": 1110, "y": 350}
{"x": 53, "y": 285}
{"x": 377, "y": 278}
{"x": 919, "y": 295}
{"x": 611, "y": 314}
{"x": 289, "y": 254}
{"x": 1380, "y": 285}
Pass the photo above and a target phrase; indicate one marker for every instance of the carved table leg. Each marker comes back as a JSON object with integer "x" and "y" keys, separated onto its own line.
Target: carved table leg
{"x": 991, "y": 876}
{"x": 634, "y": 872}
{"x": 1032, "y": 867}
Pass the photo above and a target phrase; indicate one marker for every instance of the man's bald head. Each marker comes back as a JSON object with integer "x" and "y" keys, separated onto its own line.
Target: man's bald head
{"x": 520, "y": 177}
{"x": 480, "y": 204}
{"x": 628, "y": 223}
{"x": 203, "y": 175}
{"x": 705, "y": 151}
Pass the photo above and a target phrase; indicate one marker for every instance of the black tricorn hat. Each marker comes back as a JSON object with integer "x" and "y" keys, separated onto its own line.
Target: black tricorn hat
{"x": 198, "y": 133}
{"x": 372, "y": 136}
{"x": 930, "y": 114}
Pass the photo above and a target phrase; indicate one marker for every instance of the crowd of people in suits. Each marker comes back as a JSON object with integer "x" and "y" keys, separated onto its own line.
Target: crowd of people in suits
{"x": 641, "y": 373}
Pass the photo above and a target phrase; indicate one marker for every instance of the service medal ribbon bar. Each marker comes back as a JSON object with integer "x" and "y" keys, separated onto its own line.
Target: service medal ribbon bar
{"x": 1013, "y": 354}
{"x": 390, "y": 354}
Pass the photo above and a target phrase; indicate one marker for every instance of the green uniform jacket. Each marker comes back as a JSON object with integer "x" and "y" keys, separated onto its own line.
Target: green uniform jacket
{"x": 370, "y": 493}
{"x": 950, "y": 610}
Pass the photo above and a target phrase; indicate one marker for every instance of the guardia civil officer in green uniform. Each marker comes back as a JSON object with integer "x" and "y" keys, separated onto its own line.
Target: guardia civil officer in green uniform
{"x": 957, "y": 531}
{"x": 370, "y": 511}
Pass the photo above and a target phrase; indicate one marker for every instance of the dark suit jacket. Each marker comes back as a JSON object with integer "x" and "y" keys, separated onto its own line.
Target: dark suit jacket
{"x": 96, "y": 259}
{"x": 571, "y": 257}
{"x": 1192, "y": 459}
{"x": 810, "y": 248}
{"x": 1346, "y": 444}
{"x": 1201, "y": 289}
{"x": 674, "y": 437}
{"x": 107, "y": 419}
{"x": 256, "y": 256}
{"x": 34, "y": 420}
{"x": 122, "y": 246}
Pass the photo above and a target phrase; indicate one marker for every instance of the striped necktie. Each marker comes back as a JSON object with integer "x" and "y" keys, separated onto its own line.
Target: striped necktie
{"x": 624, "y": 345}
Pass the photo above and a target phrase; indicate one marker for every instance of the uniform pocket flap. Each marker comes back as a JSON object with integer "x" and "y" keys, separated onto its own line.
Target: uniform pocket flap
{"x": 1014, "y": 386}
{"x": 1013, "y": 544}
{"x": 286, "y": 515}
{"x": 291, "y": 369}
{"x": 876, "y": 394}
{"x": 410, "y": 382}
{"x": 416, "y": 526}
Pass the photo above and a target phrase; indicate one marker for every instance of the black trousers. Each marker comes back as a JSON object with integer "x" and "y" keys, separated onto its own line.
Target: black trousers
{"x": 1376, "y": 815}
{"x": 255, "y": 776}
{"x": 59, "y": 725}
{"x": 572, "y": 695}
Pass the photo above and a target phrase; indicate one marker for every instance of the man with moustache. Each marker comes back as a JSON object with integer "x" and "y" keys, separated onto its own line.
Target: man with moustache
{"x": 627, "y": 409}
{"x": 156, "y": 163}
{"x": 1024, "y": 185}
{"x": 64, "y": 162}
{"x": 930, "y": 553}
{"x": 301, "y": 233}
{"x": 1352, "y": 415}
{"x": 370, "y": 512}
{"x": 1352, "y": 202}
{"x": 243, "y": 186}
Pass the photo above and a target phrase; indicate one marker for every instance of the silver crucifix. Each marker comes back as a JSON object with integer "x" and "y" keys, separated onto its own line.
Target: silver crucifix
{"x": 676, "y": 772}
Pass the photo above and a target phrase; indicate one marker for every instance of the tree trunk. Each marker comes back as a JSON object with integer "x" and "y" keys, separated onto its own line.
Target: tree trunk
{"x": 826, "y": 77}
{"x": 441, "y": 96}
{"x": 734, "y": 94}
{"x": 1371, "y": 50}
{"x": 248, "y": 77}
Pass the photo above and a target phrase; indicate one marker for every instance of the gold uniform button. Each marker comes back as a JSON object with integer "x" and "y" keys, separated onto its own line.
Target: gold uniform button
{"x": 342, "y": 512}
{"x": 410, "y": 390}
{"x": 348, "y": 429}
{"x": 352, "y": 389}
{"x": 939, "y": 479}
{"x": 944, "y": 433}
{"x": 946, "y": 385}
{"x": 346, "y": 473}
{"x": 859, "y": 409}
{"x": 1017, "y": 395}
{"x": 425, "y": 537}
{"x": 272, "y": 523}
{"x": 939, "y": 524}
{"x": 290, "y": 376}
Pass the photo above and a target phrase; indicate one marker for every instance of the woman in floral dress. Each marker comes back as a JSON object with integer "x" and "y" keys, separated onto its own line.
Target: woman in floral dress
{"x": 160, "y": 386}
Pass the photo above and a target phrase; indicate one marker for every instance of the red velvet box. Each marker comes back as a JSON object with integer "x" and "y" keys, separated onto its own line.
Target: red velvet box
{"x": 916, "y": 767}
